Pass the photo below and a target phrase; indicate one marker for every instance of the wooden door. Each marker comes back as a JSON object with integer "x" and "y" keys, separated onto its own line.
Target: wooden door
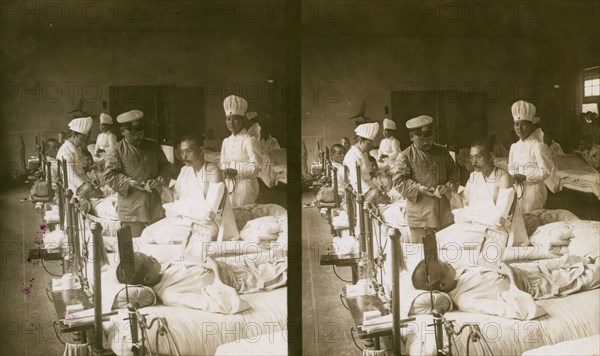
{"x": 185, "y": 113}
{"x": 458, "y": 119}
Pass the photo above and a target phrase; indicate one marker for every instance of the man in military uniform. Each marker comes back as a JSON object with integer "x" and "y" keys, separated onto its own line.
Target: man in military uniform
{"x": 136, "y": 168}
{"x": 425, "y": 175}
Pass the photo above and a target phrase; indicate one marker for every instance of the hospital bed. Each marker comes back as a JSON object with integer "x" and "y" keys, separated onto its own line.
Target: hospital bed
{"x": 572, "y": 173}
{"x": 192, "y": 332}
{"x": 576, "y": 174}
{"x": 170, "y": 330}
{"x": 568, "y": 318}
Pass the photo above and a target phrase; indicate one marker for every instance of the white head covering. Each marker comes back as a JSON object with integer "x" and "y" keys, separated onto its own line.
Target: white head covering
{"x": 388, "y": 124}
{"x": 419, "y": 123}
{"x": 536, "y": 120}
{"x": 522, "y": 110}
{"x": 105, "y": 119}
{"x": 81, "y": 125}
{"x": 234, "y": 105}
{"x": 251, "y": 115}
{"x": 130, "y": 116}
{"x": 368, "y": 131}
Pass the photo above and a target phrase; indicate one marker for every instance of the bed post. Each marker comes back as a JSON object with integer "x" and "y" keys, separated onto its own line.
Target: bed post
{"x": 349, "y": 204}
{"x": 336, "y": 197}
{"x": 360, "y": 200}
{"x": 70, "y": 227}
{"x": 328, "y": 169}
{"x": 369, "y": 239}
{"x": 48, "y": 171}
{"x": 394, "y": 235}
{"x": 77, "y": 246}
{"x": 98, "y": 339}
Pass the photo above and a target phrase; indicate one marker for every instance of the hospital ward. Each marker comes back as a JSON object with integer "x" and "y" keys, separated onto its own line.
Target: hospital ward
{"x": 450, "y": 195}
{"x": 294, "y": 177}
{"x": 144, "y": 187}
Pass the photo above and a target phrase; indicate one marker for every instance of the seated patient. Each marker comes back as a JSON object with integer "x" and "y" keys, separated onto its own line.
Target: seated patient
{"x": 337, "y": 160}
{"x": 510, "y": 291}
{"x": 212, "y": 286}
{"x": 51, "y": 147}
{"x": 199, "y": 193}
{"x": 487, "y": 201}
{"x": 589, "y": 151}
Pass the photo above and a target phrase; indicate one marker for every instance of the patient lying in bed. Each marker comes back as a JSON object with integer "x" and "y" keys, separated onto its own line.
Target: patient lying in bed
{"x": 510, "y": 291}
{"x": 212, "y": 286}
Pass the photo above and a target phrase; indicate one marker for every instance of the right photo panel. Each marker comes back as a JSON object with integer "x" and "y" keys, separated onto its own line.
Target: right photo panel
{"x": 450, "y": 185}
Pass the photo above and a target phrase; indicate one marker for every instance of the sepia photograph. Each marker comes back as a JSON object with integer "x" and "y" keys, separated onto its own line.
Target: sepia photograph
{"x": 300, "y": 177}
{"x": 145, "y": 176}
{"x": 450, "y": 178}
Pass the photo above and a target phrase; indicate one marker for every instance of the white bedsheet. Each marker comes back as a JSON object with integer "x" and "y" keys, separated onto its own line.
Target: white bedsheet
{"x": 584, "y": 346}
{"x": 580, "y": 181}
{"x": 200, "y": 333}
{"x": 569, "y": 318}
{"x": 197, "y": 332}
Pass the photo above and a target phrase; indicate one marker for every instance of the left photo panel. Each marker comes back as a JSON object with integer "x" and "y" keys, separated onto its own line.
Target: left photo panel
{"x": 144, "y": 182}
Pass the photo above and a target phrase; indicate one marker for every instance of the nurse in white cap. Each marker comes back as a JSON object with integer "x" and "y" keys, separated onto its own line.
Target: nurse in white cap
{"x": 358, "y": 153}
{"x": 389, "y": 147}
{"x": 241, "y": 159}
{"x": 106, "y": 138}
{"x": 70, "y": 151}
{"x": 529, "y": 160}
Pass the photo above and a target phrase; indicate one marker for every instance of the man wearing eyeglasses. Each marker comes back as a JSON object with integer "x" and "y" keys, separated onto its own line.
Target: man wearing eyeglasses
{"x": 136, "y": 168}
{"x": 425, "y": 174}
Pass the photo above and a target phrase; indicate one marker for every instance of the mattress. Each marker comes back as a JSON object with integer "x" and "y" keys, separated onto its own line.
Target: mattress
{"x": 584, "y": 346}
{"x": 274, "y": 344}
{"x": 569, "y": 318}
{"x": 586, "y": 182}
{"x": 200, "y": 333}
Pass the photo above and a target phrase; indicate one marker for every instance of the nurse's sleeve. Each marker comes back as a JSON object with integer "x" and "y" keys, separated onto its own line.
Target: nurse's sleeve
{"x": 545, "y": 165}
{"x": 255, "y": 161}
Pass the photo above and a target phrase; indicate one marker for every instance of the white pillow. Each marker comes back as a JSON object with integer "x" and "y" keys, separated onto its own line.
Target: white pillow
{"x": 265, "y": 228}
{"x": 586, "y": 238}
{"x": 553, "y": 234}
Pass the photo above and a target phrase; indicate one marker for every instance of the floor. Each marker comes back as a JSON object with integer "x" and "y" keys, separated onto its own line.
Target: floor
{"x": 325, "y": 322}
{"x": 27, "y": 315}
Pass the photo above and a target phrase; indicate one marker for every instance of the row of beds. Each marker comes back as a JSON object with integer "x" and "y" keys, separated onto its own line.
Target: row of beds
{"x": 91, "y": 250}
{"x": 572, "y": 323}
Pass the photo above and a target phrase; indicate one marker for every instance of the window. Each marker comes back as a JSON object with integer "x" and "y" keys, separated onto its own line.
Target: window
{"x": 591, "y": 85}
